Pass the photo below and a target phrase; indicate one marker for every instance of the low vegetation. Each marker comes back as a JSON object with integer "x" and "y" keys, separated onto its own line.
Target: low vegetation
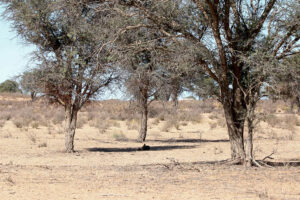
{"x": 104, "y": 115}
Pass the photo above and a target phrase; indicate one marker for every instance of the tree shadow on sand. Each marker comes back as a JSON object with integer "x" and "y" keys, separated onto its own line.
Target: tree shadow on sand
{"x": 131, "y": 149}
{"x": 188, "y": 141}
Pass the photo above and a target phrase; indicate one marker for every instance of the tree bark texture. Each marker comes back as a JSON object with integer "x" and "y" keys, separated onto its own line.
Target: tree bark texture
{"x": 70, "y": 120}
{"x": 144, "y": 120}
{"x": 235, "y": 119}
{"x": 249, "y": 139}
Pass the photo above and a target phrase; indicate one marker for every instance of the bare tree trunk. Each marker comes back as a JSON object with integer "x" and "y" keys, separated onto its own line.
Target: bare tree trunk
{"x": 292, "y": 105}
{"x": 71, "y": 120}
{"x": 175, "y": 101}
{"x": 235, "y": 124}
{"x": 249, "y": 139}
{"x": 33, "y": 96}
{"x": 175, "y": 98}
{"x": 236, "y": 132}
{"x": 175, "y": 94}
{"x": 144, "y": 120}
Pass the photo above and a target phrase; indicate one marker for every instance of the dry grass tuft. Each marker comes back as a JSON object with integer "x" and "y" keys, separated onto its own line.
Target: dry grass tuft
{"x": 80, "y": 123}
{"x": 10, "y": 180}
{"x": 101, "y": 124}
{"x": 132, "y": 124}
{"x": 213, "y": 125}
{"x": 287, "y": 121}
{"x": 2, "y": 123}
{"x": 31, "y": 137}
{"x": 35, "y": 125}
{"x": 119, "y": 136}
{"x": 5, "y": 115}
{"x": 44, "y": 144}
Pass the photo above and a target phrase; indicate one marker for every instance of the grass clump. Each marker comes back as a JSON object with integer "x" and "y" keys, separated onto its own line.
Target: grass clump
{"x": 119, "y": 136}
{"x": 44, "y": 144}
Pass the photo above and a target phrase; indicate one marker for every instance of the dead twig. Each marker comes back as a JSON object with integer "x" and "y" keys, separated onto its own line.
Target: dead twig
{"x": 268, "y": 156}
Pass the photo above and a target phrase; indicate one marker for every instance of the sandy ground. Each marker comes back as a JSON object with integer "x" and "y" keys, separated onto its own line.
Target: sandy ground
{"x": 182, "y": 164}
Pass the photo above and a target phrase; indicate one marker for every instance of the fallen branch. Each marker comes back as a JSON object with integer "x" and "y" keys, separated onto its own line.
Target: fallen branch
{"x": 268, "y": 156}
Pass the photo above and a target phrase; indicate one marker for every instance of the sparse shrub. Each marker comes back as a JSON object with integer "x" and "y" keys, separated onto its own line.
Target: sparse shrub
{"x": 272, "y": 120}
{"x": 115, "y": 124}
{"x": 177, "y": 125}
{"x": 119, "y": 137}
{"x": 184, "y": 124}
{"x": 132, "y": 124}
{"x": 268, "y": 106}
{"x": 58, "y": 117}
{"x": 153, "y": 112}
{"x": 49, "y": 130}
{"x": 18, "y": 123}
{"x": 207, "y": 106}
{"x": 213, "y": 116}
{"x": 44, "y": 144}
{"x": 31, "y": 137}
{"x": 290, "y": 121}
{"x": 10, "y": 180}
{"x": 35, "y": 125}
{"x": 161, "y": 116}
{"x": 80, "y": 123}
{"x": 60, "y": 130}
{"x": 213, "y": 125}
{"x": 168, "y": 125}
{"x": 5, "y": 115}
{"x": 101, "y": 124}
{"x": 91, "y": 116}
{"x": 2, "y": 123}
{"x": 221, "y": 122}
{"x": 190, "y": 116}
{"x": 291, "y": 136}
{"x": 156, "y": 121}
{"x": 285, "y": 122}
{"x": 298, "y": 123}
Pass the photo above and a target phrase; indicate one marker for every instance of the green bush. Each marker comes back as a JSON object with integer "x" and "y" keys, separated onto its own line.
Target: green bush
{"x": 9, "y": 86}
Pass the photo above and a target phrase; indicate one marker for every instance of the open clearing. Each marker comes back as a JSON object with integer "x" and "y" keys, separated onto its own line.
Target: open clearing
{"x": 183, "y": 163}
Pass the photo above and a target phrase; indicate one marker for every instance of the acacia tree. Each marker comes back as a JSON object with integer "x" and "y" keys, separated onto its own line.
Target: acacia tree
{"x": 225, "y": 30}
{"x": 68, "y": 36}
{"x": 142, "y": 58}
{"x": 154, "y": 66}
{"x": 143, "y": 82}
{"x": 29, "y": 83}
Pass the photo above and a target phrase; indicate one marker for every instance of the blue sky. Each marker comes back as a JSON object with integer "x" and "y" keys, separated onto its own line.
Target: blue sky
{"x": 14, "y": 54}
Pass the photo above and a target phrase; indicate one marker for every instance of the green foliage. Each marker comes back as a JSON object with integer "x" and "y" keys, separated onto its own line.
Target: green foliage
{"x": 29, "y": 82}
{"x": 10, "y": 86}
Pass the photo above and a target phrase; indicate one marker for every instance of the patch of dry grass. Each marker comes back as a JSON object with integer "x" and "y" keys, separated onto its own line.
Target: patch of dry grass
{"x": 287, "y": 121}
{"x": 32, "y": 137}
{"x": 132, "y": 124}
{"x": 42, "y": 145}
{"x": 2, "y": 123}
{"x": 119, "y": 136}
